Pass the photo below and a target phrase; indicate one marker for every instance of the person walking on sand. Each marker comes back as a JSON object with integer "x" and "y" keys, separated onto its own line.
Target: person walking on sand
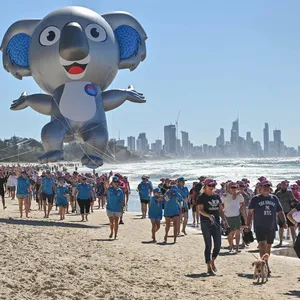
{"x": 263, "y": 208}
{"x": 145, "y": 190}
{"x": 84, "y": 194}
{"x": 155, "y": 211}
{"x": 23, "y": 188}
{"x": 114, "y": 207}
{"x": 184, "y": 192}
{"x": 61, "y": 198}
{"x": 172, "y": 211}
{"x": 288, "y": 202}
{"x": 210, "y": 208}
{"x": 233, "y": 209}
{"x": 47, "y": 188}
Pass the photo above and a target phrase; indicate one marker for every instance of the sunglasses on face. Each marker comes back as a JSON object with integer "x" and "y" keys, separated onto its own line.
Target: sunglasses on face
{"x": 266, "y": 186}
{"x": 211, "y": 185}
{"x": 233, "y": 187}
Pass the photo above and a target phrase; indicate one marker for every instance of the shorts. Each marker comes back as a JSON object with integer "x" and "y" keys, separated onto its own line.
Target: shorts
{"x": 47, "y": 197}
{"x": 113, "y": 214}
{"x": 22, "y": 196}
{"x": 11, "y": 188}
{"x": 289, "y": 223}
{"x": 171, "y": 217}
{"x": 145, "y": 201}
{"x": 62, "y": 205}
{"x": 155, "y": 220}
{"x": 266, "y": 236}
{"x": 184, "y": 210}
{"x": 234, "y": 222}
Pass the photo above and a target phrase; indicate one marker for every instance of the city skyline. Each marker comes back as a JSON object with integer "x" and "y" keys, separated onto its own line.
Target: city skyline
{"x": 175, "y": 144}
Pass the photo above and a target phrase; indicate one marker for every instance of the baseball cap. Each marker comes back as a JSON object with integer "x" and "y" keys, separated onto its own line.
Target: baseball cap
{"x": 209, "y": 181}
{"x": 241, "y": 183}
{"x": 261, "y": 178}
{"x": 266, "y": 182}
{"x": 157, "y": 190}
{"x": 144, "y": 177}
{"x": 83, "y": 177}
{"x": 48, "y": 172}
{"x": 115, "y": 179}
{"x": 162, "y": 179}
{"x": 23, "y": 172}
{"x": 181, "y": 179}
{"x": 201, "y": 177}
{"x": 233, "y": 184}
{"x": 284, "y": 183}
{"x": 295, "y": 187}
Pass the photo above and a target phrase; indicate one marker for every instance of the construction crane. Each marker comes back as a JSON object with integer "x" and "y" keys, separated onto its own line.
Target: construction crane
{"x": 177, "y": 150}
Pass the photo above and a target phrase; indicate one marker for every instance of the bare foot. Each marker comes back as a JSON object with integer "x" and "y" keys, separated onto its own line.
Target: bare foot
{"x": 184, "y": 232}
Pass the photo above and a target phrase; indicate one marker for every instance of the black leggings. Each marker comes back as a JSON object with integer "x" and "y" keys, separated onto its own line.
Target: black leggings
{"x": 84, "y": 205}
{"x": 297, "y": 245}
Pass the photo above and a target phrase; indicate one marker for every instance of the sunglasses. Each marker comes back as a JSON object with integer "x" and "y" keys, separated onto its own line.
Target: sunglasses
{"x": 266, "y": 185}
{"x": 233, "y": 187}
{"x": 211, "y": 185}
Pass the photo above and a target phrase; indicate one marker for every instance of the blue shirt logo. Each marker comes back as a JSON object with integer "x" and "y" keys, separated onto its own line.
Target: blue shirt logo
{"x": 90, "y": 89}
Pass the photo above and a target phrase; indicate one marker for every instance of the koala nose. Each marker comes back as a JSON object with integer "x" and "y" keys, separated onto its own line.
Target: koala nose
{"x": 73, "y": 43}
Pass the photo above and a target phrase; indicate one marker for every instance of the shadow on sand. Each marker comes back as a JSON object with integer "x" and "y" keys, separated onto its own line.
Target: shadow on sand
{"x": 45, "y": 223}
{"x": 293, "y": 293}
{"x": 201, "y": 275}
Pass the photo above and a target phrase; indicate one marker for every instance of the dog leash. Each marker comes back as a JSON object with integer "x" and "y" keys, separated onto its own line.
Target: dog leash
{"x": 254, "y": 256}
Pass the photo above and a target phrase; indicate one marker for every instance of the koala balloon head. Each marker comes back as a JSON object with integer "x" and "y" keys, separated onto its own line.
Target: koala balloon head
{"x": 74, "y": 44}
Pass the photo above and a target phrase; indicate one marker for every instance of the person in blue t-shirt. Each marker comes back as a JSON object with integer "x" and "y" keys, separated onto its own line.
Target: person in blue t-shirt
{"x": 156, "y": 211}
{"x": 47, "y": 189}
{"x": 145, "y": 190}
{"x": 184, "y": 192}
{"x": 23, "y": 189}
{"x": 264, "y": 209}
{"x": 173, "y": 202}
{"x": 61, "y": 198}
{"x": 114, "y": 206}
{"x": 85, "y": 195}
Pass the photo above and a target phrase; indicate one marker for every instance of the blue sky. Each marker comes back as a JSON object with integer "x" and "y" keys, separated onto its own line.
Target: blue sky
{"x": 209, "y": 59}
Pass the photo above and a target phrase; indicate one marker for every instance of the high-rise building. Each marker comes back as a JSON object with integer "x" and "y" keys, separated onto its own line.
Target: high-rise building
{"x": 170, "y": 139}
{"x": 185, "y": 142}
{"x": 266, "y": 139}
{"x": 277, "y": 141}
{"x": 234, "y": 137}
{"x": 158, "y": 146}
{"x": 131, "y": 143}
{"x": 142, "y": 143}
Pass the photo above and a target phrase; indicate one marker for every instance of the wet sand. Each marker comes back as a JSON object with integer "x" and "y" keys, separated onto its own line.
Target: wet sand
{"x": 48, "y": 259}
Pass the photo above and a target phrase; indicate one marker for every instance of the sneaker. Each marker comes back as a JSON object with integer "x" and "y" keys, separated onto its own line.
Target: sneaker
{"x": 121, "y": 222}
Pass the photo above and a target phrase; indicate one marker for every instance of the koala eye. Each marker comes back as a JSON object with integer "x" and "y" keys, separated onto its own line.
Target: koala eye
{"x": 95, "y": 33}
{"x": 49, "y": 36}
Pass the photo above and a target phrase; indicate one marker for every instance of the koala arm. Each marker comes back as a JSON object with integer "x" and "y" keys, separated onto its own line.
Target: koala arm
{"x": 38, "y": 102}
{"x": 114, "y": 98}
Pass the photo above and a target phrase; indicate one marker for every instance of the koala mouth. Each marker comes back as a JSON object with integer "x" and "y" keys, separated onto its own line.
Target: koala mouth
{"x": 75, "y": 68}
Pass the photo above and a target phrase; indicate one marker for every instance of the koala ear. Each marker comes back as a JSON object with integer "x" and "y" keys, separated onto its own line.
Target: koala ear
{"x": 15, "y": 47}
{"x": 131, "y": 38}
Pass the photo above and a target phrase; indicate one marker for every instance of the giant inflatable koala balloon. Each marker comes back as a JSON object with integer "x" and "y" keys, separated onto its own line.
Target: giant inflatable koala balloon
{"x": 74, "y": 54}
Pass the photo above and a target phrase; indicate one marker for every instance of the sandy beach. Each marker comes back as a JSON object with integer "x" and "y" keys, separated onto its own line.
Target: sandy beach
{"x": 49, "y": 259}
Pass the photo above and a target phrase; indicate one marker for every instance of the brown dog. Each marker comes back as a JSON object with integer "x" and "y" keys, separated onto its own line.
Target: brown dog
{"x": 261, "y": 268}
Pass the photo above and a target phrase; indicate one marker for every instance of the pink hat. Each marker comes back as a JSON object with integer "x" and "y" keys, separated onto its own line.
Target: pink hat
{"x": 266, "y": 182}
{"x": 209, "y": 181}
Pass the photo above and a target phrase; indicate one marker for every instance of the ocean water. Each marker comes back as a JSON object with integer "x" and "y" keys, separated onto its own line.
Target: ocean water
{"x": 275, "y": 169}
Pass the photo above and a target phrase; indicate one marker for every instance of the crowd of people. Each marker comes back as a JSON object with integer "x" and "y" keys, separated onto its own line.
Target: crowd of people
{"x": 233, "y": 209}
